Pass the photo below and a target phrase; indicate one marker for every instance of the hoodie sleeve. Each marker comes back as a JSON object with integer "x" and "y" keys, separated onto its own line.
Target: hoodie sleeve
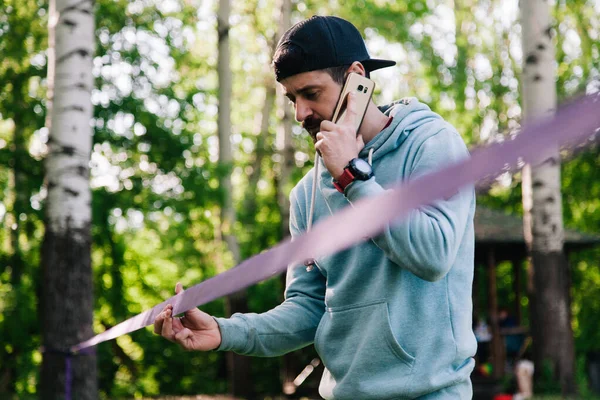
{"x": 426, "y": 241}
{"x": 287, "y": 327}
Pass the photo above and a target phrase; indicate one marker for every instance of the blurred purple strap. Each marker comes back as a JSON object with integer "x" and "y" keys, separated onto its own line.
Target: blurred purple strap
{"x": 572, "y": 125}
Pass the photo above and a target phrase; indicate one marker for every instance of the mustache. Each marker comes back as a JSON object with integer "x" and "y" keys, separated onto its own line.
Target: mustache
{"x": 312, "y": 126}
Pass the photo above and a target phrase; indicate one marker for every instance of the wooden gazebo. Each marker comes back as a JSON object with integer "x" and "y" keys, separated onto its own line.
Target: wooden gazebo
{"x": 499, "y": 237}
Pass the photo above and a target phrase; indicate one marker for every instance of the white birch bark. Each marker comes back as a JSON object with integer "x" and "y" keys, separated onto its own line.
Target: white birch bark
{"x": 539, "y": 99}
{"x": 542, "y": 204}
{"x": 70, "y": 140}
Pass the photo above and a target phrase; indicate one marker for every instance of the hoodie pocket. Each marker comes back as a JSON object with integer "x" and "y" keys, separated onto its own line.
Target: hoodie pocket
{"x": 361, "y": 353}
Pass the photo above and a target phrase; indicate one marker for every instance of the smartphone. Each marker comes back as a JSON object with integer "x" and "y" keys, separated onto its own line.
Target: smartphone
{"x": 363, "y": 90}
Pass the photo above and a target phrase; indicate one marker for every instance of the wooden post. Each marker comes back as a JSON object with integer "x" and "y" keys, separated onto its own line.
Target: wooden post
{"x": 497, "y": 342}
{"x": 517, "y": 267}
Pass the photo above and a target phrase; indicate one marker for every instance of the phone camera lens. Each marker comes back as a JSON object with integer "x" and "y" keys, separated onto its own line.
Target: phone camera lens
{"x": 360, "y": 88}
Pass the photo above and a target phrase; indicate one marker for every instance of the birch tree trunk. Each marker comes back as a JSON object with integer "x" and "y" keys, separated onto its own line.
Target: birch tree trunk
{"x": 67, "y": 299}
{"x": 238, "y": 366}
{"x": 285, "y": 149}
{"x": 542, "y": 204}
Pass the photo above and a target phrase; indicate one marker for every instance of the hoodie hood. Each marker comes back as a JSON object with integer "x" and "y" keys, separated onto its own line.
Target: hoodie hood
{"x": 408, "y": 113}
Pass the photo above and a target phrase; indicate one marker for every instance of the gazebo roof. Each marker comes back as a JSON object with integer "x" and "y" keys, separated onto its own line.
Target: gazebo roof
{"x": 495, "y": 227}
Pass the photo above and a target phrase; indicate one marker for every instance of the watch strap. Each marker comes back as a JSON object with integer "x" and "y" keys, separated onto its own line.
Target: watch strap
{"x": 344, "y": 180}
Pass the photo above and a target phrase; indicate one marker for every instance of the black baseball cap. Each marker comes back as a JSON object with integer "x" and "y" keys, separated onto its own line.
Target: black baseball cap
{"x": 322, "y": 42}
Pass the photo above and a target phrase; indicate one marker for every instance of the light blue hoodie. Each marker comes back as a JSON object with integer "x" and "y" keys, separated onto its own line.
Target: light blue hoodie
{"x": 391, "y": 316}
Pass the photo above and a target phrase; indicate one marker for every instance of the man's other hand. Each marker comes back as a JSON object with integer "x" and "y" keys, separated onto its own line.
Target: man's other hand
{"x": 196, "y": 330}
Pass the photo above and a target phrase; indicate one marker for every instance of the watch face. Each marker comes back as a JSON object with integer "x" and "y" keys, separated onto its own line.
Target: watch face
{"x": 361, "y": 169}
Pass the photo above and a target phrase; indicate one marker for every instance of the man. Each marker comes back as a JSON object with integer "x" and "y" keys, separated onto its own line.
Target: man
{"x": 391, "y": 316}
{"x": 513, "y": 336}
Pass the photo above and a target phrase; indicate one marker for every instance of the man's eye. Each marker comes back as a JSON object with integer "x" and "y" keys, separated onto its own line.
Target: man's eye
{"x": 310, "y": 95}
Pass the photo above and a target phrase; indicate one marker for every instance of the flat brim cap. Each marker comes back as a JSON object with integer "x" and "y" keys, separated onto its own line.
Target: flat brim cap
{"x": 322, "y": 42}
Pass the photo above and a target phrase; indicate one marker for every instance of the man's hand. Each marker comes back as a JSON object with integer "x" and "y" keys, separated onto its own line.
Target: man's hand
{"x": 196, "y": 330}
{"x": 338, "y": 143}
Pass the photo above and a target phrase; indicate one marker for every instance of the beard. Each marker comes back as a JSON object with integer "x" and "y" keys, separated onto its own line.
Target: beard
{"x": 312, "y": 126}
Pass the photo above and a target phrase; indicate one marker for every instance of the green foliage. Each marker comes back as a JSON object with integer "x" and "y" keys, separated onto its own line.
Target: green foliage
{"x": 586, "y": 301}
{"x": 584, "y": 390}
{"x": 582, "y": 210}
{"x": 22, "y": 42}
{"x": 547, "y": 382}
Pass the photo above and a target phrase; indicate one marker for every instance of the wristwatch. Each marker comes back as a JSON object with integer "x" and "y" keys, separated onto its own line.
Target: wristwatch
{"x": 357, "y": 169}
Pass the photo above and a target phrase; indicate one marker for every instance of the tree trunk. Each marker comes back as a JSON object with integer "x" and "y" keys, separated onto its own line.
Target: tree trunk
{"x": 67, "y": 299}
{"x": 289, "y": 365}
{"x": 542, "y": 203}
{"x": 238, "y": 366}
{"x": 285, "y": 147}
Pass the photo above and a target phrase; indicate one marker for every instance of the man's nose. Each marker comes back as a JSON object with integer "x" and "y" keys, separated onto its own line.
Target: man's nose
{"x": 303, "y": 111}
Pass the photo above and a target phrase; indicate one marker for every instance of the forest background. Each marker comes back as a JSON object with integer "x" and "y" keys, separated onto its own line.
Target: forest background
{"x": 155, "y": 167}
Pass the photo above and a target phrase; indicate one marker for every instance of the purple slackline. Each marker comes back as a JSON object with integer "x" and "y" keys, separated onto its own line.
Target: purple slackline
{"x": 572, "y": 124}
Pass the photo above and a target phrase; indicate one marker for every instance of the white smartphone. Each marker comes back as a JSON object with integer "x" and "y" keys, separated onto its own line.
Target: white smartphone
{"x": 363, "y": 90}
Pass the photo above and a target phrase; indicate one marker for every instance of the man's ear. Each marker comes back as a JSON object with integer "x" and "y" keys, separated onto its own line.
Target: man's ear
{"x": 357, "y": 67}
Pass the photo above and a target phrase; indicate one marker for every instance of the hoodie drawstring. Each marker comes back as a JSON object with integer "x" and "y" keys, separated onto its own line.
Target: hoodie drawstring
{"x": 314, "y": 192}
{"x": 310, "y": 263}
